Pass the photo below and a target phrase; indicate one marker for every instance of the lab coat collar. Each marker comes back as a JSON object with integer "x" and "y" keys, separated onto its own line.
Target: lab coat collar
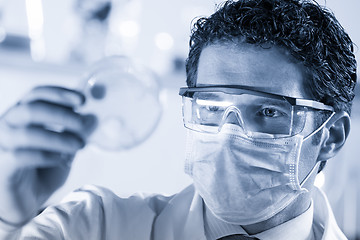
{"x": 178, "y": 221}
{"x": 325, "y": 226}
{"x": 194, "y": 226}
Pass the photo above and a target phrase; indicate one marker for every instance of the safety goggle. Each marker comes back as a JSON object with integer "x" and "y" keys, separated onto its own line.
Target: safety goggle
{"x": 260, "y": 114}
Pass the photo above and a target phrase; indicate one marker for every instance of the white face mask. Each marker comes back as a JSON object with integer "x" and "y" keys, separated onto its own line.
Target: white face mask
{"x": 242, "y": 180}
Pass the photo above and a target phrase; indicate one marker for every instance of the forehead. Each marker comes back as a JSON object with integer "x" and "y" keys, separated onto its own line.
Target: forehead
{"x": 270, "y": 70}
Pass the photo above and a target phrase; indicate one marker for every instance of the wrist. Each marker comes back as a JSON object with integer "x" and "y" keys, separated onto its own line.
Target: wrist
{"x": 9, "y": 231}
{"x": 10, "y": 226}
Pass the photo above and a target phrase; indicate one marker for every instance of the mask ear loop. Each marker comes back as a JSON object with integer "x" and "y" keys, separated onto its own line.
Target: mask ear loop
{"x": 310, "y": 173}
{"x": 319, "y": 162}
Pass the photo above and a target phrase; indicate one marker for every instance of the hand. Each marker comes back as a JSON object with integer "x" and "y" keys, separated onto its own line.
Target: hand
{"x": 39, "y": 138}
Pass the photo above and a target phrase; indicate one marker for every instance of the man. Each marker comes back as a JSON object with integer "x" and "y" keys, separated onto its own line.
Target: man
{"x": 270, "y": 89}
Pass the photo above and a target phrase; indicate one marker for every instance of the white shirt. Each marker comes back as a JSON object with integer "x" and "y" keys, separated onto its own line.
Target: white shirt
{"x": 96, "y": 213}
{"x": 299, "y": 228}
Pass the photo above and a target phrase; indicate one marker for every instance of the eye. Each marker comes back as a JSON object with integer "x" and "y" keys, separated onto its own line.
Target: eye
{"x": 211, "y": 108}
{"x": 270, "y": 112}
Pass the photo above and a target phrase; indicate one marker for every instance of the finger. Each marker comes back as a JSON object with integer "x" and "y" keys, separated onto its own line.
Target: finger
{"x": 41, "y": 159}
{"x": 59, "y": 95}
{"x": 50, "y": 115}
{"x": 34, "y": 137}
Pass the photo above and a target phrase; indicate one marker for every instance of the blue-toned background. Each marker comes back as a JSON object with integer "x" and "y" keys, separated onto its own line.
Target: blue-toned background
{"x": 53, "y": 42}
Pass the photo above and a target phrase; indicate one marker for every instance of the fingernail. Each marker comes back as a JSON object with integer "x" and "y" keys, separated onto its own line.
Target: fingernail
{"x": 77, "y": 99}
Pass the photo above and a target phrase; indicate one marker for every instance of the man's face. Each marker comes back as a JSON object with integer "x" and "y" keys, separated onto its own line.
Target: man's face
{"x": 269, "y": 70}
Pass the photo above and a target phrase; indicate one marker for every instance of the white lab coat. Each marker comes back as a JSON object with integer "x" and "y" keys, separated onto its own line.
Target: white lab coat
{"x": 97, "y": 213}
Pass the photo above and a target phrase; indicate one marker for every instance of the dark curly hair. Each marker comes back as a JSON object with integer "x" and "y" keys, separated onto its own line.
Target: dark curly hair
{"x": 308, "y": 31}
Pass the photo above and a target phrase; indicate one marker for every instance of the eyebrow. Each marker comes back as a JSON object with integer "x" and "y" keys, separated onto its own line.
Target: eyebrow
{"x": 208, "y": 95}
{"x": 276, "y": 102}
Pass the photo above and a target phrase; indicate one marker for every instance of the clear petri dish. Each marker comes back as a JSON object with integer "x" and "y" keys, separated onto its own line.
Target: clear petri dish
{"x": 125, "y": 97}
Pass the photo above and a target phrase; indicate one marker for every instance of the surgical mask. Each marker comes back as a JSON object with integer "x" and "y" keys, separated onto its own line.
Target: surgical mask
{"x": 242, "y": 180}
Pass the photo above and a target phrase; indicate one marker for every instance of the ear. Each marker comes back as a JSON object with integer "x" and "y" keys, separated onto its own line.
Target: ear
{"x": 335, "y": 134}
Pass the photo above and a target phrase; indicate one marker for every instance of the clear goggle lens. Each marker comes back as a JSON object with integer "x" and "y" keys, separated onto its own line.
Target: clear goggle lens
{"x": 259, "y": 116}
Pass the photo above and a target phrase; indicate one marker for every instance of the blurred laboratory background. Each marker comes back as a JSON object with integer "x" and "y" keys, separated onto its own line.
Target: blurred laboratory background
{"x": 58, "y": 43}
